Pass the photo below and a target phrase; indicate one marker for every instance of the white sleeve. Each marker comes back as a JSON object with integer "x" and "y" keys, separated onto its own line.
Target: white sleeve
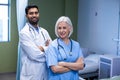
{"x": 47, "y": 37}
{"x": 30, "y": 49}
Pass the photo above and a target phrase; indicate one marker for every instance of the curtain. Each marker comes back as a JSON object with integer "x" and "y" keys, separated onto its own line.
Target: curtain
{"x": 20, "y": 8}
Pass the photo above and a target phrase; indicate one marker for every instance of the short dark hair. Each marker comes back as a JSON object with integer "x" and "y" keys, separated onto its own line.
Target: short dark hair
{"x": 29, "y": 7}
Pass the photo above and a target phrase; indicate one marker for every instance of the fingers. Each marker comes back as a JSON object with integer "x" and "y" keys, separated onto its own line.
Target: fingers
{"x": 41, "y": 48}
{"x": 47, "y": 42}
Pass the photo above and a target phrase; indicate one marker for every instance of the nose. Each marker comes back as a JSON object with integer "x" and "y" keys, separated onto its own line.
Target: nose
{"x": 61, "y": 29}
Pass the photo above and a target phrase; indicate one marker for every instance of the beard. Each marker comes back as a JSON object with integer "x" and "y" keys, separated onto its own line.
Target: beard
{"x": 33, "y": 22}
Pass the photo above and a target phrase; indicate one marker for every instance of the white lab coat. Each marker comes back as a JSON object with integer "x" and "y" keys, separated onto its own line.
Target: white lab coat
{"x": 33, "y": 65}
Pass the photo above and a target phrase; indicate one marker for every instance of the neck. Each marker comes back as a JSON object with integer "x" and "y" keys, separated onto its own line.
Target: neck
{"x": 34, "y": 25}
{"x": 66, "y": 40}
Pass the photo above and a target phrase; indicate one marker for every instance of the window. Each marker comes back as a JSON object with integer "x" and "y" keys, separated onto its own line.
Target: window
{"x": 4, "y": 20}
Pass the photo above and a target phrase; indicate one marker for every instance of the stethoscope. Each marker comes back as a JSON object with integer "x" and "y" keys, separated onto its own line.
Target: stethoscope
{"x": 60, "y": 46}
{"x": 31, "y": 29}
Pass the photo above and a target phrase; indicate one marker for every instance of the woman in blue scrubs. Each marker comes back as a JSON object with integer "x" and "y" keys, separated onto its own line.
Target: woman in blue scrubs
{"x": 64, "y": 56}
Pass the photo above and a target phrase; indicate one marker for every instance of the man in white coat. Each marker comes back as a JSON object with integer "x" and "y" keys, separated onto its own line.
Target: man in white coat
{"x": 33, "y": 42}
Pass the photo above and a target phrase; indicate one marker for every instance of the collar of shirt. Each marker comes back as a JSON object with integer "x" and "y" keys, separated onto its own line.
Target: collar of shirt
{"x": 35, "y": 28}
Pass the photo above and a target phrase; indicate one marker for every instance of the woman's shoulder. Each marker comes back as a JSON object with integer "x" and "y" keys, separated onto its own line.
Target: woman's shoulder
{"x": 54, "y": 42}
{"x": 75, "y": 42}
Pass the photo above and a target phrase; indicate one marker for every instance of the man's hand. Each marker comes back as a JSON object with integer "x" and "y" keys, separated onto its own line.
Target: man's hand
{"x": 47, "y": 42}
{"x": 41, "y": 48}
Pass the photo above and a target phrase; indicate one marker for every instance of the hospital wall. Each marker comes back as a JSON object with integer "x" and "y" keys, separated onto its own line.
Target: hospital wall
{"x": 50, "y": 11}
{"x": 99, "y": 25}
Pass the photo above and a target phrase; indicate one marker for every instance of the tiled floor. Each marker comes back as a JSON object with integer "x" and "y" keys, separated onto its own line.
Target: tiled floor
{"x": 7, "y": 76}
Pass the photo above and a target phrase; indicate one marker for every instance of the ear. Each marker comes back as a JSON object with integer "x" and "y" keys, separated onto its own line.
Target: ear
{"x": 26, "y": 15}
{"x": 70, "y": 28}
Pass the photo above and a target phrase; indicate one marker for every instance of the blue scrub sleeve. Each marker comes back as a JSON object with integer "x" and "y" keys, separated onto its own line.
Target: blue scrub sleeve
{"x": 80, "y": 52}
{"x": 51, "y": 57}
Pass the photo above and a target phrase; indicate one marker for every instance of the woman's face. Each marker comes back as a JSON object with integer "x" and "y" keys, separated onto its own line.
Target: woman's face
{"x": 63, "y": 30}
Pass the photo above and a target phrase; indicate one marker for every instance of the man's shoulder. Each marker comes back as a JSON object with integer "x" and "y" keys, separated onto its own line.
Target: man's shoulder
{"x": 25, "y": 29}
{"x": 43, "y": 29}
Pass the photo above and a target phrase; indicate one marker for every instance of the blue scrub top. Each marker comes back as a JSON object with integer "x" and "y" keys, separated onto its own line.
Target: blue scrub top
{"x": 55, "y": 55}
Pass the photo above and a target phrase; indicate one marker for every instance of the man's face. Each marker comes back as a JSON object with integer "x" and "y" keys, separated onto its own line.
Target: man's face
{"x": 33, "y": 16}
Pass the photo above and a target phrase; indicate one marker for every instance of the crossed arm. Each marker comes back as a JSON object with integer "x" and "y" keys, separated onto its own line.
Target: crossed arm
{"x": 46, "y": 44}
{"x": 67, "y": 66}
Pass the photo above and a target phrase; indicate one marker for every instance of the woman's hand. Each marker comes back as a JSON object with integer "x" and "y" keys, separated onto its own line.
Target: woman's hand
{"x": 61, "y": 63}
{"x": 78, "y": 65}
{"x": 59, "y": 69}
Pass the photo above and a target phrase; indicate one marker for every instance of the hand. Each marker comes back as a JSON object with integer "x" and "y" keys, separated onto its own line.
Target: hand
{"x": 47, "y": 42}
{"x": 61, "y": 63}
{"x": 41, "y": 48}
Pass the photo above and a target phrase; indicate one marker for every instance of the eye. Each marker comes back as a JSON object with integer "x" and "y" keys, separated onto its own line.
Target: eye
{"x": 59, "y": 27}
{"x": 36, "y": 12}
{"x": 64, "y": 27}
{"x": 31, "y": 13}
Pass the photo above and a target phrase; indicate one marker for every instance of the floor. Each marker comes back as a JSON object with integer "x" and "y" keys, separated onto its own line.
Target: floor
{"x": 12, "y": 76}
{"x": 7, "y": 76}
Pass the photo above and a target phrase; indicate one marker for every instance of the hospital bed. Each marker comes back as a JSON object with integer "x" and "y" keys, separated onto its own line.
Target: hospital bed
{"x": 112, "y": 78}
{"x": 91, "y": 60}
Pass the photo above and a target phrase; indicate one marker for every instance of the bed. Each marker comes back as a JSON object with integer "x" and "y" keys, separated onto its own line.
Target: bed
{"x": 91, "y": 64}
{"x": 112, "y": 78}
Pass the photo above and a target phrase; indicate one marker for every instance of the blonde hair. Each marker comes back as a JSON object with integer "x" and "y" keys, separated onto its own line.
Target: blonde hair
{"x": 64, "y": 19}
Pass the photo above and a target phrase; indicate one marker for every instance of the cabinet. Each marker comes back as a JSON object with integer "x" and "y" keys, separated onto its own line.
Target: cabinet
{"x": 109, "y": 66}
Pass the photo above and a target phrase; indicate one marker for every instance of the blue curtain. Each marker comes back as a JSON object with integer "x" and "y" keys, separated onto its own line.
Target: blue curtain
{"x": 20, "y": 8}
